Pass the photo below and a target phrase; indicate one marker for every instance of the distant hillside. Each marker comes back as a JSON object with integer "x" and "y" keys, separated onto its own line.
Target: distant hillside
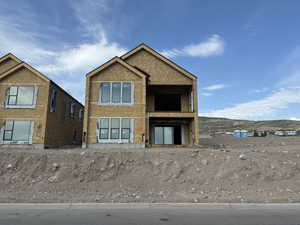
{"x": 211, "y": 124}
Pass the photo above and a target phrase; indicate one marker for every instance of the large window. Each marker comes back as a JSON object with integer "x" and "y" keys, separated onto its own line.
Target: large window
{"x": 116, "y": 93}
{"x": 114, "y": 129}
{"x": 20, "y": 96}
{"x": 17, "y": 130}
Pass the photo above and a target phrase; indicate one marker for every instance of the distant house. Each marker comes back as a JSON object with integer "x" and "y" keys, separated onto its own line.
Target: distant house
{"x": 285, "y": 132}
{"x": 35, "y": 111}
{"x": 140, "y": 99}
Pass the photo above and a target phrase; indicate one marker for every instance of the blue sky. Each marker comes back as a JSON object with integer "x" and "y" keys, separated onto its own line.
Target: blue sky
{"x": 246, "y": 54}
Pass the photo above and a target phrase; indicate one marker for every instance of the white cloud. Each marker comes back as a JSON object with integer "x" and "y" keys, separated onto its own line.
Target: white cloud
{"x": 32, "y": 45}
{"x": 259, "y": 108}
{"x": 214, "y": 87}
{"x": 214, "y": 45}
{"x": 294, "y": 118}
{"x": 292, "y": 79}
{"x": 259, "y": 91}
{"x": 206, "y": 94}
{"x": 83, "y": 58}
{"x": 21, "y": 41}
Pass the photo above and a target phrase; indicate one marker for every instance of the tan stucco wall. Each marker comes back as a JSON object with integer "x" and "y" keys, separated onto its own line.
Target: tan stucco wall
{"x": 159, "y": 71}
{"x": 116, "y": 72}
{"x": 60, "y": 126}
{"x": 7, "y": 64}
{"x": 25, "y": 77}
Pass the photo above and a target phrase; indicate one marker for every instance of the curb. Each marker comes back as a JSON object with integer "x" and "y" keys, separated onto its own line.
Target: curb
{"x": 149, "y": 205}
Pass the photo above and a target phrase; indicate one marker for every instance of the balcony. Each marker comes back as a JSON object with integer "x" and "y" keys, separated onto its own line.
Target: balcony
{"x": 171, "y": 114}
{"x": 166, "y": 101}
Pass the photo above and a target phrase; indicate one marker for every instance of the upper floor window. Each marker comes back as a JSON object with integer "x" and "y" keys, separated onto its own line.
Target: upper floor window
{"x": 80, "y": 114}
{"x": 116, "y": 93}
{"x": 72, "y": 110}
{"x": 20, "y": 96}
{"x": 53, "y": 100}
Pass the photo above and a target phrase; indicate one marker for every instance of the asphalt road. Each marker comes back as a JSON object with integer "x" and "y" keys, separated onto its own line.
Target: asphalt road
{"x": 144, "y": 214}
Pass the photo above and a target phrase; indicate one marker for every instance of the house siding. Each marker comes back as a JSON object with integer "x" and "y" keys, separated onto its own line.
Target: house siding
{"x": 49, "y": 129}
{"x": 156, "y": 76}
{"x": 136, "y": 111}
{"x": 159, "y": 71}
{"x": 7, "y": 64}
{"x": 60, "y": 127}
{"x": 23, "y": 76}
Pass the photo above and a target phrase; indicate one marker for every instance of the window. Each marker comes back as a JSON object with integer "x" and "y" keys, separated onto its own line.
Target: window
{"x": 17, "y": 130}
{"x": 80, "y": 114}
{"x": 104, "y": 128}
{"x": 116, "y": 93}
{"x": 72, "y": 110}
{"x": 53, "y": 100}
{"x": 105, "y": 92}
{"x": 126, "y": 93}
{"x": 125, "y": 133}
{"x": 20, "y": 96}
{"x": 114, "y": 129}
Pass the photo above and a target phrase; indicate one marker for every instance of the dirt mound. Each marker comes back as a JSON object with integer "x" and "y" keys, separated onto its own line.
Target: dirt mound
{"x": 161, "y": 175}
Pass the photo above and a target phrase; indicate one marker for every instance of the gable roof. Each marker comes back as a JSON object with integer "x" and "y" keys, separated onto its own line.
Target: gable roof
{"x": 10, "y": 56}
{"x": 112, "y": 61}
{"x": 33, "y": 70}
{"x": 23, "y": 64}
{"x": 159, "y": 56}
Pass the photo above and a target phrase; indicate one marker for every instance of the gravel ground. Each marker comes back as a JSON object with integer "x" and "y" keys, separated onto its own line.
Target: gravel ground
{"x": 261, "y": 144}
{"x": 222, "y": 174}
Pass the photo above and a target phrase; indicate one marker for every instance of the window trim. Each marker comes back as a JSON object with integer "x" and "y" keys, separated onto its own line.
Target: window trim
{"x": 121, "y": 94}
{"x": 2, "y": 133}
{"x": 117, "y": 140}
{"x": 34, "y": 100}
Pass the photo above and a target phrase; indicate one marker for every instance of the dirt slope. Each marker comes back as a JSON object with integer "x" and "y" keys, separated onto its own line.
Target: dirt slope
{"x": 159, "y": 175}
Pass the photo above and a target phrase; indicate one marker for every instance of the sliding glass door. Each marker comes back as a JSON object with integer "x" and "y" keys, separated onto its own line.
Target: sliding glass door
{"x": 164, "y": 135}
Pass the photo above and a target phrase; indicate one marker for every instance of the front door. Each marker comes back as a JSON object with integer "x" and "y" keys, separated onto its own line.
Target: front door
{"x": 164, "y": 135}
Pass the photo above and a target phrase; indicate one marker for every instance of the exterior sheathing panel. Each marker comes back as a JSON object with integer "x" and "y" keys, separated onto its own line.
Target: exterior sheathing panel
{"x": 60, "y": 126}
{"x": 23, "y": 76}
{"x": 116, "y": 72}
{"x": 163, "y": 74}
{"x": 7, "y": 64}
{"x": 159, "y": 71}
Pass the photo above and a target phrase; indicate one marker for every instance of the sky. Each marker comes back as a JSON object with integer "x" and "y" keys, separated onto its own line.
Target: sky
{"x": 246, "y": 54}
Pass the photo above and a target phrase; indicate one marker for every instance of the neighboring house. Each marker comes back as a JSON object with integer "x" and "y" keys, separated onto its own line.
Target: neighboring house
{"x": 140, "y": 99}
{"x": 286, "y": 133}
{"x": 35, "y": 111}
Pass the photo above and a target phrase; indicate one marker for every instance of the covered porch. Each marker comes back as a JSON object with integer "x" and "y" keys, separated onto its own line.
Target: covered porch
{"x": 170, "y": 132}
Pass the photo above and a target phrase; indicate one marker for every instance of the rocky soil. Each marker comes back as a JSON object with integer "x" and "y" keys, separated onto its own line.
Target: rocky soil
{"x": 155, "y": 175}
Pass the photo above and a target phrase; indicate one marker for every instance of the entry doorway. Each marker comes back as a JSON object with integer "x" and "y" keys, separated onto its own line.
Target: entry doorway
{"x": 167, "y": 135}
